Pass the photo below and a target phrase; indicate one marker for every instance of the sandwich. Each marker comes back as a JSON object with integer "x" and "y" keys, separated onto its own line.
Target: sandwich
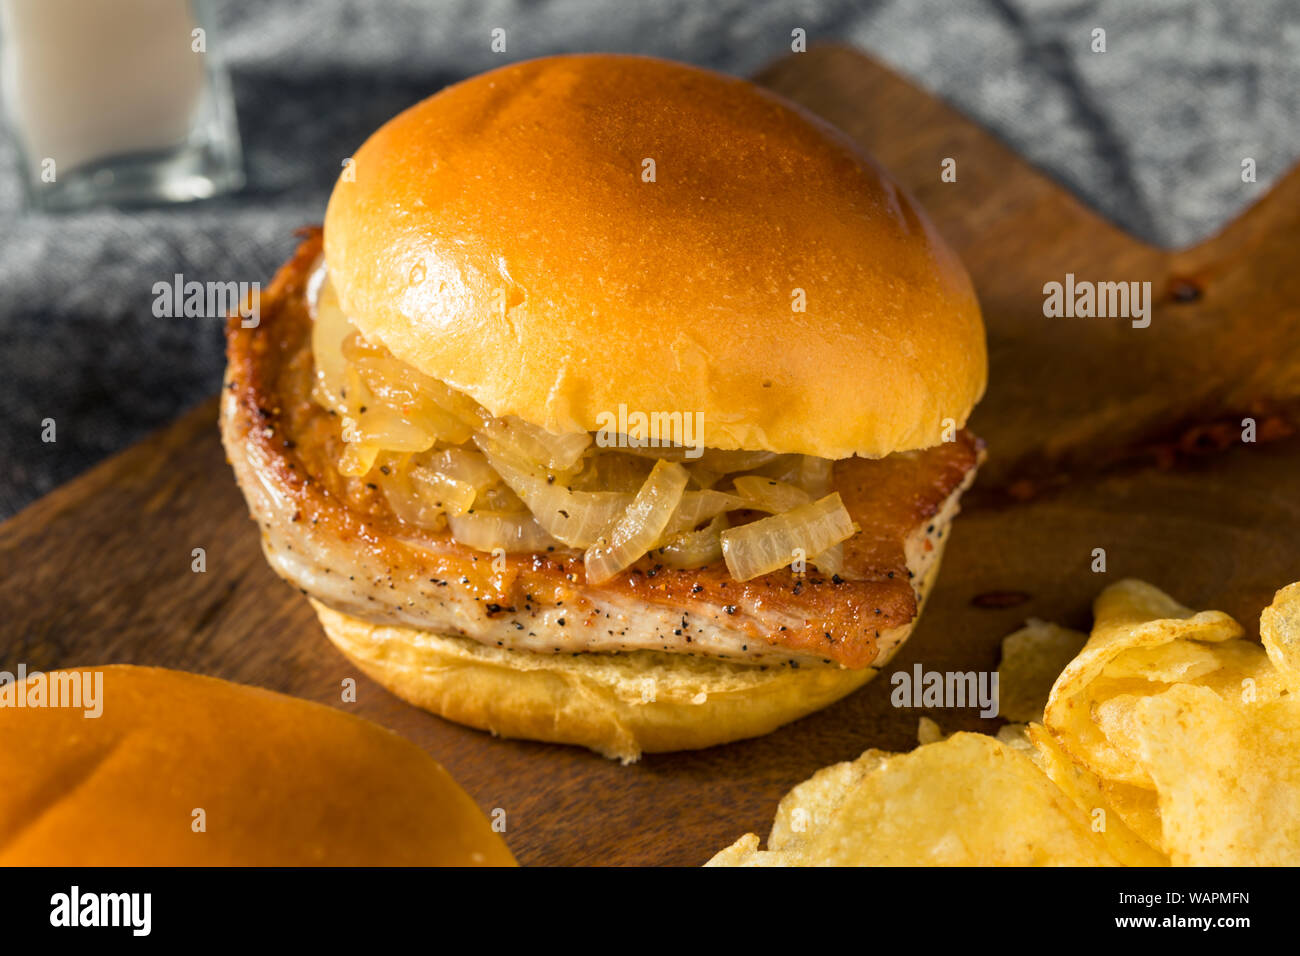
{"x": 618, "y": 403}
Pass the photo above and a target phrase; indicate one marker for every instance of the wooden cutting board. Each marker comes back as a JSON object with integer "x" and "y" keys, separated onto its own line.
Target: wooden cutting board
{"x": 1100, "y": 435}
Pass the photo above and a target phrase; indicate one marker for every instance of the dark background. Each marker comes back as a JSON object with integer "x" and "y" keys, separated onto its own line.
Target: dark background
{"x": 1151, "y": 133}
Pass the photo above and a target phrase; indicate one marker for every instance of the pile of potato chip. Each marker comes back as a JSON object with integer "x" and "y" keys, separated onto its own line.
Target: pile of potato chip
{"x": 1163, "y": 738}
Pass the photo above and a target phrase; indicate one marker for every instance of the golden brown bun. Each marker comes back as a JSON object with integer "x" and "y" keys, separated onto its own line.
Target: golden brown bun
{"x": 498, "y": 236}
{"x": 282, "y": 782}
{"x": 619, "y": 705}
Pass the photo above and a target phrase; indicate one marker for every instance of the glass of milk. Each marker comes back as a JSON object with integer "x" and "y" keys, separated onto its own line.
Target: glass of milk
{"x": 117, "y": 101}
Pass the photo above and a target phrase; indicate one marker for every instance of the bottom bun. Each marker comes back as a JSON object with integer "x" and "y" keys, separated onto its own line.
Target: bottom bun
{"x": 619, "y": 705}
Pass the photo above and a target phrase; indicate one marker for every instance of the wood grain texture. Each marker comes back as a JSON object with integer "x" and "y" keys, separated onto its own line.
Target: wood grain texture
{"x": 1100, "y": 435}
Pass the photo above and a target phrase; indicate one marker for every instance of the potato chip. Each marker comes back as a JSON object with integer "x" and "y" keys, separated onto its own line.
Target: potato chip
{"x": 1130, "y": 602}
{"x": 1245, "y": 674}
{"x": 1227, "y": 775}
{"x": 1279, "y": 629}
{"x": 1139, "y": 808}
{"x": 1015, "y": 736}
{"x": 744, "y": 852}
{"x": 810, "y": 805}
{"x": 928, "y": 731}
{"x": 966, "y": 801}
{"x": 1167, "y": 663}
{"x": 1129, "y": 615}
{"x": 1085, "y": 789}
{"x": 1032, "y": 658}
{"x": 1167, "y": 739}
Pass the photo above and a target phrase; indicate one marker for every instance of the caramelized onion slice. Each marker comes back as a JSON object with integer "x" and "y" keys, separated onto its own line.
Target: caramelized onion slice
{"x": 393, "y": 382}
{"x": 770, "y": 495}
{"x": 357, "y": 459}
{"x": 831, "y": 561}
{"x": 698, "y": 506}
{"x": 576, "y": 518}
{"x": 487, "y": 530}
{"x": 654, "y": 452}
{"x": 815, "y": 475}
{"x": 381, "y": 427}
{"x": 703, "y": 477}
{"x": 370, "y": 422}
{"x": 454, "y": 403}
{"x": 446, "y": 494}
{"x": 466, "y": 465}
{"x": 726, "y": 462}
{"x": 695, "y": 549}
{"x": 638, "y": 529}
{"x": 394, "y": 478}
{"x": 782, "y": 468}
{"x": 329, "y": 328}
{"x": 501, "y": 497}
{"x": 394, "y": 386}
{"x": 763, "y": 546}
{"x": 530, "y": 443}
{"x": 612, "y": 471}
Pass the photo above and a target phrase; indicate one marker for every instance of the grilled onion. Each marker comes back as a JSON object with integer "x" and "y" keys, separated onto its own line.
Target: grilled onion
{"x": 831, "y": 561}
{"x": 357, "y": 459}
{"x": 695, "y": 549}
{"x": 815, "y": 475}
{"x": 451, "y": 496}
{"x": 405, "y": 497}
{"x": 770, "y": 495}
{"x": 487, "y": 531}
{"x": 329, "y": 328}
{"x": 464, "y": 464}
{"x": 697, "y": 506}
{"x": 638, "y": 529}
{"x": 726, "y": 462}
{"x": 526, "y": 441}
{"x": 502, "y": 482}
{"x": 763, "y": 546}
{"x": 575, "y": 517}
{"x": 612, "y": 471}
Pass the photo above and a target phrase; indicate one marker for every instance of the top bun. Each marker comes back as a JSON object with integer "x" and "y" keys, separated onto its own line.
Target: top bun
{"x": 280, "y": 781}
{"x": 501, "y": 236}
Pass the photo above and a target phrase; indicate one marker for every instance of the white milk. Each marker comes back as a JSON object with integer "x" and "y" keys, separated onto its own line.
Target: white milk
{"x": 88, "y": 79}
